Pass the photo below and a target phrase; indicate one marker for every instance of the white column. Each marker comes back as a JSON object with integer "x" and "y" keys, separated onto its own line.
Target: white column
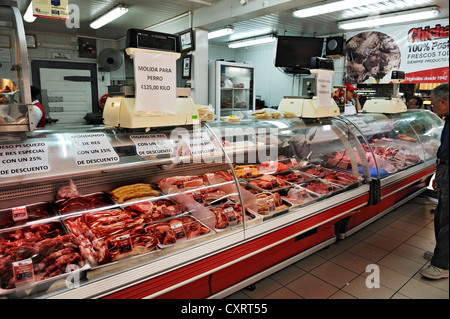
{"x": 199, "y": 81}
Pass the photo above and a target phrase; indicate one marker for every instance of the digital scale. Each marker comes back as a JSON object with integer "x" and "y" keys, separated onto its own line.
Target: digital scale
{"x": 390, "y": 105}
{"x": 120, "y": 111}
{"x": 307, "y": 107}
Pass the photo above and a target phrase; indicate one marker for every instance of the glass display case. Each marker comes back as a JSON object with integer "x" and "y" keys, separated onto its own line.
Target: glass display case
{"x": 395, "y": 142}
{"x": 114, "y": 207}
{"x": 231, "y": 87}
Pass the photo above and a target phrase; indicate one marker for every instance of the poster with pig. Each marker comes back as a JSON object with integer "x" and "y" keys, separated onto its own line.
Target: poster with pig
{"x": 420, "y": 50}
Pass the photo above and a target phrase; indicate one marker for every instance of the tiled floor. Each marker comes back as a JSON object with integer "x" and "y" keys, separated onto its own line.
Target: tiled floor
{"x": 394, "y": 244}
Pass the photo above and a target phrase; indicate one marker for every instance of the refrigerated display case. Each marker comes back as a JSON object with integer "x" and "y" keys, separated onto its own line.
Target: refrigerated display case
{"x": 186, "y": 212}
{"x": 231, "y": 87}
{"x": 401, "y": 150}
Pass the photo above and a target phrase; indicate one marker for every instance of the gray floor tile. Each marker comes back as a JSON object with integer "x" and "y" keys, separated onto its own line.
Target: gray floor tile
{"x": 416, "y": 289}
{"x": 401, "y": 264}
{"x": 311, "y": 287}
{"x": 334, "y": 274}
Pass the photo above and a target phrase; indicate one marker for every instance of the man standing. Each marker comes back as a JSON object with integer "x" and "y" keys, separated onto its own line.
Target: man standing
{"x": 438, "y": 267}
{"x": 352, "y": 105}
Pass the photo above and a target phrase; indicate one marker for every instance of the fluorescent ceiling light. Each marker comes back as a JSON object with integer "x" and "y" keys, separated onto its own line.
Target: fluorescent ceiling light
{"x": 28, "y": 16}
{"x": 221, "y": 32}
{"x": 399, "y": 17}
{"x": 109, "y": 16}
{"x": 254, "y": 41}
{"x": 332, "y": 7}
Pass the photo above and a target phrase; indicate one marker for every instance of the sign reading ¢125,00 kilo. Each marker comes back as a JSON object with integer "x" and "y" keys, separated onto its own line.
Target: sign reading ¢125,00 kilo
{"x": 93, "y": 149}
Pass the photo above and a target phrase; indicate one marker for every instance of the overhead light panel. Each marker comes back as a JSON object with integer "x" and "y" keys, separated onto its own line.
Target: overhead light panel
{"x": 28, "y": 16}
{"x": 221, "y": 32}
{"x": 398, "y": 17}
{"x": 332, "y": 7}
{"x": 109, "y": 16}
{"x": 253, "y": 41}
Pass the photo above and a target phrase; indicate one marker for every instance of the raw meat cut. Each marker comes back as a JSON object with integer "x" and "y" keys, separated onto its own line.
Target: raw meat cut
{"x": 50, "y": 251}
{"x": 340, "y": 178}
{"x": 177, "y": 184}
{"x": 320, "y": 188}
{"x": 268, "y": 203}
{"x": 269, "y": 182}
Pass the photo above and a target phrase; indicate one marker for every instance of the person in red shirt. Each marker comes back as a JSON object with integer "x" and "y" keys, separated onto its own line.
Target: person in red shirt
{"x": 38, "y": 109}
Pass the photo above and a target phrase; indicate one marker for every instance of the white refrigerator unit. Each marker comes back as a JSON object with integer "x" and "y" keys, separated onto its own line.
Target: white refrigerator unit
{"x": 231, "y": 87}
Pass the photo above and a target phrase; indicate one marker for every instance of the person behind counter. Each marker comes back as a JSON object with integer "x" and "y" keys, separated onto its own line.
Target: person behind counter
{"x": 352, "y": 105}
{"x": 38, "y": 109}
{"x": 414, "y": 103}
{"x": 438, "y": 267}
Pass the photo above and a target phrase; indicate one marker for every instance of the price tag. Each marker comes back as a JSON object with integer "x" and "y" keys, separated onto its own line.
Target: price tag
{"x": 93, "y": 149}
{"x": 19, "y": 213}
{"x": 247, "y": 171}
{"x": 22, "y": 159}
{"x": 294, "y": 162}
{"x": 274, "y": 182}
{"x": 272, "y": 165}
{"x": 124, "y": 244}
{"x": 304, "y": 193}
{"x": 23, "y": 271}
{"x": 179, "y": 184}
{"x": 271, "y": 204}
{"x": 231, "y": 216}
{"x": 197, "y": 196}
{"x": 178, "y": 230}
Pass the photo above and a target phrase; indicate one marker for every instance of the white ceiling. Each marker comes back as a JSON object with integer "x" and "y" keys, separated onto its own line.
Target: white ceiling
{"x": 257, "y": 16}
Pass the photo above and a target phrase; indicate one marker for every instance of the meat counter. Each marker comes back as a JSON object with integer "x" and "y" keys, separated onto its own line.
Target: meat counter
{"x": 186, "y": 212}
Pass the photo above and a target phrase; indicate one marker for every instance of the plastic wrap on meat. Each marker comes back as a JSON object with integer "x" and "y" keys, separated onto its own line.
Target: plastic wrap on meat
{"x": 50, "y": 251}
{"x": 68, "y": 191}
{"x": 298, "y": 195}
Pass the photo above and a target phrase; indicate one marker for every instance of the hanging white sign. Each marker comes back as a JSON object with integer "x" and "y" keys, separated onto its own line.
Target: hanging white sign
{"x": 155, "y": 76}
{"x": 324, "y": 88}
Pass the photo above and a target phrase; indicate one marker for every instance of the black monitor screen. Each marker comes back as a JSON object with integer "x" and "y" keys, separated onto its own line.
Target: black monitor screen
{"x": 295, "y": 53}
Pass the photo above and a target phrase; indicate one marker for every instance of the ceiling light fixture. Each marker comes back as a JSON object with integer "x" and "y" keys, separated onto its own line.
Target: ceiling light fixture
{"x": 253, "y": 41}
{"x": 332, "y": 7}
{"x": 109, "y": 16}
{"x": 221, "y": 32}
{"x": 398, "y": 17}
{"x": 208, "y": 3}
{"x": 28, "y": 15}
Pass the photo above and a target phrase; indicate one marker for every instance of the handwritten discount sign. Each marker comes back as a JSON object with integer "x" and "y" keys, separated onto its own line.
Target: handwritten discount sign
{"x": 92, "y": 149}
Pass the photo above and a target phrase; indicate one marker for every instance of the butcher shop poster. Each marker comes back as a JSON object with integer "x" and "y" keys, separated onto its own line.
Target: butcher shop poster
{"x": 420, "y": 50}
